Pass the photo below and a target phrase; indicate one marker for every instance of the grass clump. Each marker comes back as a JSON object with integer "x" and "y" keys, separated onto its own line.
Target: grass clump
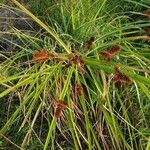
{"x": 82, "y": 82}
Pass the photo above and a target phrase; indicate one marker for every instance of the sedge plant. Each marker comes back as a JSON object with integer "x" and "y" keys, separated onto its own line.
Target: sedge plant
{"x": 69, "y": 87}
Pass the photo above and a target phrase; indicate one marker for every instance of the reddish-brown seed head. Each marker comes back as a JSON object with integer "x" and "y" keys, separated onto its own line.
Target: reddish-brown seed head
{"x": 60, "y": 106}
{"x": 110, "y": 52}
{"x": 40, "y": 56}
{"x": 114, "y": 50}
{"x": 77, "y": 60}
{"x": 106, "y": 56}
{"x": 120, "y": 77}
{"x": 78, "y": 89}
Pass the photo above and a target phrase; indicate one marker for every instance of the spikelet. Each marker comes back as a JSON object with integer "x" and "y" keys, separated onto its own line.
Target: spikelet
{"x": 114, "y": 50}
{"x": 120, "y": 77}
{"x": 74, "y": 58}
{"x": 60, "y": 106}
{"x": 90, "y": 42}
{"x": 81, "y": 69}
{"x": 106, "y": 56}
{"x": 44, "y": 56}
{"x": 40, "y": 56}
{"x": 77, "y": 60}
{"x": 80, "y": 65}
{"x": 78, "y": 89}
{"x": 110, "y": 52}
{"x": 71, "y": 58}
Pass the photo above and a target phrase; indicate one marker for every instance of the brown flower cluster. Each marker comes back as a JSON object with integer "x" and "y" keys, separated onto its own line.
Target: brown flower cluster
{"x": 78, "y": 89}
{"x": 60, "y": 106}
{"x": 40, "y": 56}
{"x": 44, "y": 56}
{"x": 110, "y": 52}
{"x": 120, "y": 77}
{"x": 77, "y": 60}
